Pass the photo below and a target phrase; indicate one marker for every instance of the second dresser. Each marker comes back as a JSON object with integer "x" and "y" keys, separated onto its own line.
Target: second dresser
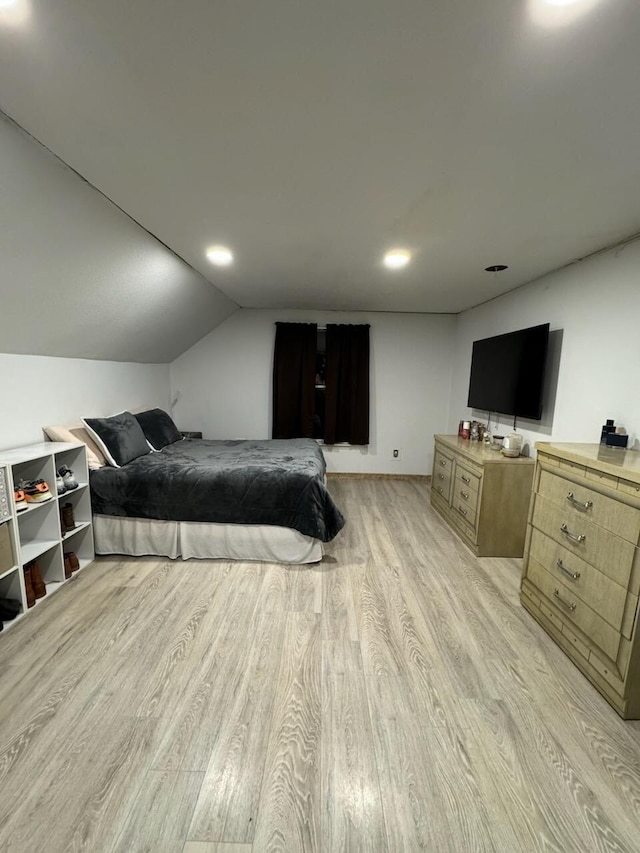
{"x": 581, "y": 575}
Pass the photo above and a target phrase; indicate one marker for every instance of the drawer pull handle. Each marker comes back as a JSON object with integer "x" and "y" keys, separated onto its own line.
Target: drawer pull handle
{"x": 439, "y": 489}
{"x": 573, "y": 575}
{"x": 583, "y": 506}
{"x": 442, "y": 462}
{"x": 575, "y": 537}
{"x": 570, "y": 605}
{"x": 465, "y": 479}
{"x": 441, "y": 476}
{"x": 462, "y": 510}
{"x": 464, "y": 495}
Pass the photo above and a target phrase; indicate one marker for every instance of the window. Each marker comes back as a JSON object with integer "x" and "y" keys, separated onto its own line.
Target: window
{"x": 321, "y": 382}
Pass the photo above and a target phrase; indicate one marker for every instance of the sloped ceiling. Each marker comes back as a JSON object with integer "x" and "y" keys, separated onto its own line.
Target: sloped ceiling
{"x": 78, "y": 278}
{"x": 311, "y": 137}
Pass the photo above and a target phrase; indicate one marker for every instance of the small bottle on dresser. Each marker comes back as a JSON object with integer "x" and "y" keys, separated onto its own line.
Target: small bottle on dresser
{"x": 606, "y": 429}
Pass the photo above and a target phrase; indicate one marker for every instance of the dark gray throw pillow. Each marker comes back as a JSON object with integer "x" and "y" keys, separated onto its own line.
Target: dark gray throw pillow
{"x": 158, "y": 428}
{"x": 120, "y": 438}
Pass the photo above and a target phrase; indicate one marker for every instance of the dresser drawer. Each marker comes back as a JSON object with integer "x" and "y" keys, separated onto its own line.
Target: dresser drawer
{"x": 441, "y": 483}
{"x": 608, "y": 553}
{"x": 573, "y": 609}
{"x": 602, "y": 477}
{"x": 574, "y": 467}
{"x": 579, "y": 501}
{"x": 467, "y": 477}
{"x": 594, "y": 588}
{"x": 463, "y": 523}
{"x": 442, "y": 463}
{"x": 463, "y": 511}
{"x": 464, "y": 495}
{"x": 629, "y": 488}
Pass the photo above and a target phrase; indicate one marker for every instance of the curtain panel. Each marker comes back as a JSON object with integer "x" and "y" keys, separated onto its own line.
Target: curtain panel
{"x": 347, "y": 400}
{"x": 294, "y": 370}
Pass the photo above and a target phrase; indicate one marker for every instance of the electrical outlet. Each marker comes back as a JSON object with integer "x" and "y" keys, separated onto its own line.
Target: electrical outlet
{"x": 395, "y": 454}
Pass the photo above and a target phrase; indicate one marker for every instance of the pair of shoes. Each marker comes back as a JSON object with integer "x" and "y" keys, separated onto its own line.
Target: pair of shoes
{"x": 67, "y": 521}
{"x": 33, "y": 492}
{"x": 19, "y": 500}
{"x": 71, "y": 563}
{"x": 9, "y": 609}
{"x": 33, "y": 582}
{"x": 65, "y": 480}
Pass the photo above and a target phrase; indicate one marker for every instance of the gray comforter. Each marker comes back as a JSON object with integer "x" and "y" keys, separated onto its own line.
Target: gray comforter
{"x": 237, "y": 482}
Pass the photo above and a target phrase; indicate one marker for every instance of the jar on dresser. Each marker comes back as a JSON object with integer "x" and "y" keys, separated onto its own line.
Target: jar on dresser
{"x": 581, "y": 575}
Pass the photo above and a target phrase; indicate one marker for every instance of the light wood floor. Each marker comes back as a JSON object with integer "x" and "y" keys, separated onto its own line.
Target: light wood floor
{"x": 395, "y": 697}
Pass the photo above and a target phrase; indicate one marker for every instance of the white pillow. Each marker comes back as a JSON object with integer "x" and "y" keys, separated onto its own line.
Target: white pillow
{"x": 77, "y": 432}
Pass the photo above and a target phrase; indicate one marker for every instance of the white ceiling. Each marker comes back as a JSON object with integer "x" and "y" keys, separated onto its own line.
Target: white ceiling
{"x": 310, "y": 137}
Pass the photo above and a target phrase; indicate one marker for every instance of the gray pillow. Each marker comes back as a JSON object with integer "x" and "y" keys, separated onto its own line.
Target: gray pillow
{"x": 120, "y": 438}
{"x": 158, "y": 428}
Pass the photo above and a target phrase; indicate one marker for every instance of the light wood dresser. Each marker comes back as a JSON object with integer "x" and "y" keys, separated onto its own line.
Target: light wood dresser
{"x": 483, "y": 495}
{"x": 581, "y": 574}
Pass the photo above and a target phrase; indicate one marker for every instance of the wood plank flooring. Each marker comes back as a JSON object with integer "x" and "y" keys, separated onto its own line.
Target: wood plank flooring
{"x": 395, "y": 697}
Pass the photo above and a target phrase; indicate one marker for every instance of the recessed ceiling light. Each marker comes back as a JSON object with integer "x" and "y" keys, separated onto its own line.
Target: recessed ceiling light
{"x": 220, "y": 256}
{"x": 14, "y": 12}
{"x": 559, "y": 13}
{"x": 396, "y": 259}
{"x": 496, "y": 268}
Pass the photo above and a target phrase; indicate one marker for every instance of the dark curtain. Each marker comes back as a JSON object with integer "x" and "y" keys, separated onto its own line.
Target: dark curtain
{"x": 294, "y": 371}
{"x": 347, "y": 405}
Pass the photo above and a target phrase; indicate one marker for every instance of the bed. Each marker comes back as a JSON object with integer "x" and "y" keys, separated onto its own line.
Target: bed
{"x": 155, "y": 492}
{"x": 263, "y": 500}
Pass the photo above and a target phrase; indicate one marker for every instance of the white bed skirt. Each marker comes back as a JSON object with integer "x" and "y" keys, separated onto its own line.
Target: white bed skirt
{"x": 141, "y": 536}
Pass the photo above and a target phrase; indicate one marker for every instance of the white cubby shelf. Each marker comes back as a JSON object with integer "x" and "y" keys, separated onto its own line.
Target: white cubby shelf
{"x": 36, "y": 533}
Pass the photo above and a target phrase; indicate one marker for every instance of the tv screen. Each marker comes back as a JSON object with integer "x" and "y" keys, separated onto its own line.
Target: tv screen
{"x": 507, "y": 372}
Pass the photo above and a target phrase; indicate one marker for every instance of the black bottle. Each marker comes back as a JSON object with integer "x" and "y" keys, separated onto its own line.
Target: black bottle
{"x": 606, "y": 429}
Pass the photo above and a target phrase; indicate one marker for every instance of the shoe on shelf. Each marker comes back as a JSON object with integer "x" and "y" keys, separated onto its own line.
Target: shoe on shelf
{"x": 66, "y": 518}
{"x": 39, "y": 589}
{"x": 68, "y": 571}
{"x": 31, "y": 596}
{"x": 37, "y": 491}
{"x": 60, "y": 487}
{"x": 68, "y": 478}
{"x": 9, "y": 609}
{"x": 74, "y": 563}
{"x": 19, "y": 500}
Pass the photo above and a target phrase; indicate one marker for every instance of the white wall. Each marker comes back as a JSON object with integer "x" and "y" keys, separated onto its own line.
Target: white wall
{"x": 37, "y": 391}
{"x": 594, "y": 309}
{"x": 79, "y": 279}
{"x": 223, "y": 384}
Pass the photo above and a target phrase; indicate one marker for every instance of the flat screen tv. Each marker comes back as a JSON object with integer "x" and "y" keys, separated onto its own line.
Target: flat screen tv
{"x": 507, "y": 372}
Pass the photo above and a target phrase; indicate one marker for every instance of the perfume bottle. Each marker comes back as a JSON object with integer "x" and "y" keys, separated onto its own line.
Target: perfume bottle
{"x": 606, "y": 429}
